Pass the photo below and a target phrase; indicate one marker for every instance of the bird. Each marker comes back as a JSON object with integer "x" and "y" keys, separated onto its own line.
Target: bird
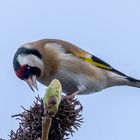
{"x": 79, "y": 72}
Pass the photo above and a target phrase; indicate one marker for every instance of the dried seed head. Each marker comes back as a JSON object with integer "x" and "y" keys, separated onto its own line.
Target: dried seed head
{"x": 64, "y": 123}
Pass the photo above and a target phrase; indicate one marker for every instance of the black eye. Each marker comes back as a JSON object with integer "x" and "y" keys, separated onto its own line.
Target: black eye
{"x": 27, "y": 72}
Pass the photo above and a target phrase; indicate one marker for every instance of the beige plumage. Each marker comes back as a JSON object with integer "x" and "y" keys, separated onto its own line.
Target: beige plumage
{"x": 78, "y": 71}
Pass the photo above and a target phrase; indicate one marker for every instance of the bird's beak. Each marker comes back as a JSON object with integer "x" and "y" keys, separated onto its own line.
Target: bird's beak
{"x": 31, "y": 81}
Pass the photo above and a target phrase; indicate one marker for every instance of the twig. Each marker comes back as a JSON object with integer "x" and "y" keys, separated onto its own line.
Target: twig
{"x": 46, "y": 124}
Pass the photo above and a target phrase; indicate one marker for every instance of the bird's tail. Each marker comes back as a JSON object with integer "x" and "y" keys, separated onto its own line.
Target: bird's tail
{"x": 133, "y": 82}
{"x": 123, "y": 79}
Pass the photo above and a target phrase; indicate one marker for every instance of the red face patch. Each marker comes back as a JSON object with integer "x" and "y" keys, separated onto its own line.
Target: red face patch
{"x": 20, "y": 72}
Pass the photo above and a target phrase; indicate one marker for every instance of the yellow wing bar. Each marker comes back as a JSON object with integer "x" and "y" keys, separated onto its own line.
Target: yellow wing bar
{"x": 98, "y": 62}
{"x": 90, "y": 58}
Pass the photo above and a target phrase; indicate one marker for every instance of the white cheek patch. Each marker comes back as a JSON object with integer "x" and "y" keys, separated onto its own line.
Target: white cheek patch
{"x": 31, "y": 60}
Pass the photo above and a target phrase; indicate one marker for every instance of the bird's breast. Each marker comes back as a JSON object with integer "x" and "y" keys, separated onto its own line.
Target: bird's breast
{"x": 73, "y": 73}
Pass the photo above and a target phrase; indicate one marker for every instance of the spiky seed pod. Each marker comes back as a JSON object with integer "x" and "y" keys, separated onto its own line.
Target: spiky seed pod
{"x": 64, "y": 123}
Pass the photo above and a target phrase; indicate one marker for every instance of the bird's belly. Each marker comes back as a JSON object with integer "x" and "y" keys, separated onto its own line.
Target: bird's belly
{"x": 71, "y": 85}
{"x": 71, "y": 81}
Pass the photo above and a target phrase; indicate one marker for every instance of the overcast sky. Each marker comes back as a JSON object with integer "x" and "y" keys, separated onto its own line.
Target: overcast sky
{"x": 108, "y": 29}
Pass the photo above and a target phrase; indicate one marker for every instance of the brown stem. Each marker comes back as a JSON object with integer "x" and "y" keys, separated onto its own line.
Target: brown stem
{"x": 46, "y": 124}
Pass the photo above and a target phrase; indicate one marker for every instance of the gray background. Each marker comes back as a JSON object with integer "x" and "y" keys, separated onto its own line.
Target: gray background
{"x": 108, "y": 29}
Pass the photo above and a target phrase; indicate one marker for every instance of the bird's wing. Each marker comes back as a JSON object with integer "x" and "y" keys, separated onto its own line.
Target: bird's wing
{"x": 87, "y": 57}
{"x": 78, "y": 52}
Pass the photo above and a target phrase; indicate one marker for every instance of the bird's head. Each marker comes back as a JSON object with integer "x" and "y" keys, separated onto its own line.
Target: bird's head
{"x": 28, "y": 65}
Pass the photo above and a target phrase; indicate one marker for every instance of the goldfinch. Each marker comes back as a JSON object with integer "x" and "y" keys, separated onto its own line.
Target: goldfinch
{"x": 78, "y": 71}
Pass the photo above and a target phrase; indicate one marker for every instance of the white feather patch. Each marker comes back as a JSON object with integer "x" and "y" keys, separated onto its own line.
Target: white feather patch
{"x": 55, "y": 46}
{"x": 31, "y": 60}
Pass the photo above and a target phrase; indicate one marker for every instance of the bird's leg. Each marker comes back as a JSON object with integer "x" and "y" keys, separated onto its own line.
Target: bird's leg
{"x": 81, "y": 88}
